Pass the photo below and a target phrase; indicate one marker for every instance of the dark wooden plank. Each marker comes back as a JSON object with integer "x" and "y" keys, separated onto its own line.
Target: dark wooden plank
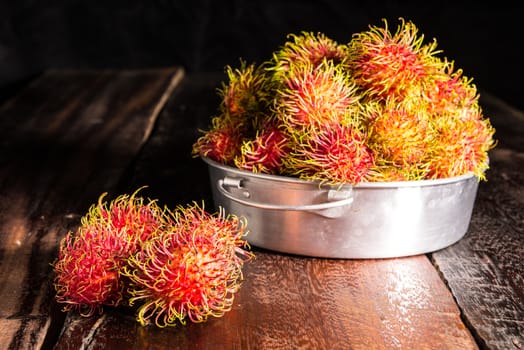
{"x": 285, "y": 302}
{"x": 485, "y": 270}
{"x": 67, "y": 138}
{"x": 290, "y": 302}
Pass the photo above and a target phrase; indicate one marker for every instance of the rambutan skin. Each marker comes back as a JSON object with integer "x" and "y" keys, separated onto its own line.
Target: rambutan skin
{"x": 89, "y": 260}
{"x": 315, "y": 95}
{"x": 419, "y": 116}
{"x": 265, "y": 153}
{"x": 306, "y": 48}
{"x": 333, "y": 154}
{"x": 221, "y": 143}
{"x": 247, "y": 93}
{"x": 86, "y": 277}
{"x": 190, "y": 271}
{"x": 386, "y": 65}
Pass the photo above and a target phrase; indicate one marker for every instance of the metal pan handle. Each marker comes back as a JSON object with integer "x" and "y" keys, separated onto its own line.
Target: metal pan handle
{"x": 334, "y": 196}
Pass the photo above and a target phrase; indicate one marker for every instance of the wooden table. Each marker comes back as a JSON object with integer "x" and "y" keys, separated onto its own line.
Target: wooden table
{"x": 71, "y": 135}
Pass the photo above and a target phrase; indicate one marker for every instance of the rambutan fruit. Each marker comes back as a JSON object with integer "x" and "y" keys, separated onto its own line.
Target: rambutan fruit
{"x": 461, "y": 146}
{"x": 387, "y": 65}
{"x": 89, "y": 260}
{"x": 221, "y": 143}
{"x": 400, "y": 137}
{"x": 246, "y": 98}
{"x": 333, "y": 153}
{"x": 449, "y": 91}
{"x": 246, "y": 95}
{"x": 306, "y": 48}
{"x": 315, "y": 95}
{"x": 191, "y": 270}
{"x": 86, "y": 277}
{"x": 264, "y": 153}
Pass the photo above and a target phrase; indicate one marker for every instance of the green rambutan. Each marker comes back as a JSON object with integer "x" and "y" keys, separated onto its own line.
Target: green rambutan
{"x": 191, "y": 270}
{"x": 89, "y": 260}
{"x": 247, "y": 94}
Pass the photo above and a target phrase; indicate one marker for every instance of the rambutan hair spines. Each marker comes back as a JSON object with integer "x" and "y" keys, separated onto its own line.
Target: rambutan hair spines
{"x": 387, "y": 65}
{"x": 306, "y": 48}
{"x": 191, "y": 270}
{"x": 89, "y": 259}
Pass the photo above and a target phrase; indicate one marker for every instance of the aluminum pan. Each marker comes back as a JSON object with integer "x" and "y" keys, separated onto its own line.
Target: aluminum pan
{"x": 367, "y": 220}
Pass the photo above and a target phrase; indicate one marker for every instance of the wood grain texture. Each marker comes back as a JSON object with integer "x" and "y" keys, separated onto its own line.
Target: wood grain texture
{"x": 289, "y": 302}
{"x": 485, "y": 270}
{"x": 285, "y": 302}
{"x": 65, "y": 139}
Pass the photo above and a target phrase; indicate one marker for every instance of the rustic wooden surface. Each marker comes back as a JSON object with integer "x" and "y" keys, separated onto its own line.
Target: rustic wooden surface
{"x": 65, "y": 139}
{"x": 485, "y": 270}
{"x": 73, "y": 135}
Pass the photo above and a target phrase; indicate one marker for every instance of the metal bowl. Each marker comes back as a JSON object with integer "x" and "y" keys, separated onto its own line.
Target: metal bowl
{"x": 367, "y": 220}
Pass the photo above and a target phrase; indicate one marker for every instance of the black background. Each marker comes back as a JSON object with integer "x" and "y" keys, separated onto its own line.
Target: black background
{"x": 484, "y": 39}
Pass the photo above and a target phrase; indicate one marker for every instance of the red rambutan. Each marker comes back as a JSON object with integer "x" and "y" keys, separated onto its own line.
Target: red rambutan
{"x": 265, "y": 152}
{"x": 89, "y": 260}
{"x": 306, "y": 48}
{"x": 222, "y": 143}
{"x": 316, "y": 95}
{"x": 387, "y": 65}
{"x": 190, "y": 270}
{"x": 333, "y": 153}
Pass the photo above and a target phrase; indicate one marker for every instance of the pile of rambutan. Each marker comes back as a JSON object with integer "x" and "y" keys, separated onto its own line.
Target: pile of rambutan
{"x": 170, "y": 265}
{"x": 382, "y": 107}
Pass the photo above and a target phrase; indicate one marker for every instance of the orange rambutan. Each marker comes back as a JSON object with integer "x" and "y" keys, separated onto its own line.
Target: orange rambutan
{"x": 461, "y": 146}
{"x": 400, "y": 137}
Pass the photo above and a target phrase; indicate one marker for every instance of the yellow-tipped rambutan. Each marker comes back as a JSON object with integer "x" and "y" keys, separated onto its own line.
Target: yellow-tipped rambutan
{"x": 388, "y": 65}
{"x": 449, "y": 91}
{"x": 316, "y": 95}
{"x": 89, "y": 260}
{"x": 246, "y": 95}
{"x": 332, "y": 153}
{"x": 306, "y": 48}
{"x": 190, "y": 271}
{"x": 461, "y": 146}
{"x": 400, "y": 137}
{"x": 264, "y": 153}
